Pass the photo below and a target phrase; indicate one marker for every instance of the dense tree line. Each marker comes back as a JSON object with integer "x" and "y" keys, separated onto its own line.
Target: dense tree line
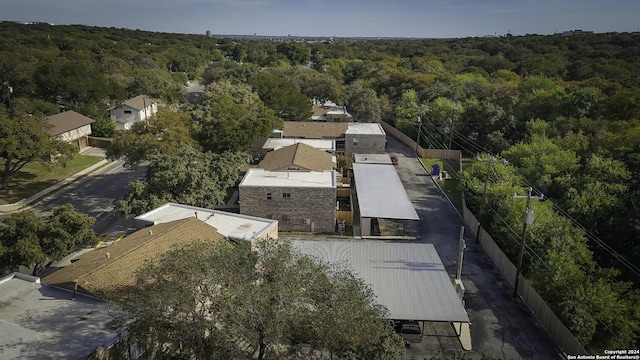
{"x": 564, "y": 110}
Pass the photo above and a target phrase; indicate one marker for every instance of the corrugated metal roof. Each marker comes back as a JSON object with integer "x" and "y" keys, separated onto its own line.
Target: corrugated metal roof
{"x": 408, "y": 278}
{"x": 381, "y": 193}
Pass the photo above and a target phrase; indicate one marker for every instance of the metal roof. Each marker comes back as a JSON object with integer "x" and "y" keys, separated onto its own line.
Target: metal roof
{"x": 381, "y": 193}
{"x": 408, "y": 278}
{"x": 231, "y": 225}
{"x": 373, "y": 158}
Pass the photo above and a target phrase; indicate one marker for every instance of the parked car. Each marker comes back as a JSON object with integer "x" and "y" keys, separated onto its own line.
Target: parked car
{"x": 394, "y": 158}
{"x": 409, "y": 330}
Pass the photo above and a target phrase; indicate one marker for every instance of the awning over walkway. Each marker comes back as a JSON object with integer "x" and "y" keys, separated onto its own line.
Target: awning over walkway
{"x": 408, "y": 278}
{"x": 381, "y": 193}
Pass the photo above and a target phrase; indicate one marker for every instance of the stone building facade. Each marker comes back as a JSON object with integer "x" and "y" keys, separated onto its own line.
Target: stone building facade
{"x": 364, "y": 138}
{"x": 299, "y": 200}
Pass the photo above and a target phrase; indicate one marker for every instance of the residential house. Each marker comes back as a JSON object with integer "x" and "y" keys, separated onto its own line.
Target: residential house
{"x": 139, "y": 108}
{"x": 299, "y": 200}
{"x": 330, "y": 112}
{"x": 299, "y": 156}
{"x": 44, "y": 322}
{"x": 350, "y": 138}
{"x": 71, "y": 127}
{"x": 112, "y": 268}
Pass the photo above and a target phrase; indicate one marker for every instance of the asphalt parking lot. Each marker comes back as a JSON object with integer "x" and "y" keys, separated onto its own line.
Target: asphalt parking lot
{"x": 500, "y": 326}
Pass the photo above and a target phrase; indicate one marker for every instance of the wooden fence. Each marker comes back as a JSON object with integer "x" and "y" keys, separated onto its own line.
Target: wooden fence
{"x": 556, "y": 329}
{"x": 422, "y": 152}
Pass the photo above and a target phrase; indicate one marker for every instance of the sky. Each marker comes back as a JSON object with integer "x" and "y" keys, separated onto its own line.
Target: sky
{"x": 339, "y": 18}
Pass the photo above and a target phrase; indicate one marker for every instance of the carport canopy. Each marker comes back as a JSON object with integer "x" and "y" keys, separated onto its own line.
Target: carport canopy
{"x": 408, "y": 278}
{"x": 381, "y": 193}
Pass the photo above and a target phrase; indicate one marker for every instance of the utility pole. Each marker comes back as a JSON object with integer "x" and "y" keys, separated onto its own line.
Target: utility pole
{"x": 453, "y": 120}
{"x": 528, "y": 219}
{"x": 419, "y": 133}
{"x": 484, "y": 192}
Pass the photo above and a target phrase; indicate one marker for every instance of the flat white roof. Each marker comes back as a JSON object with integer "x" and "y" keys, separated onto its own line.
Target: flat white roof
{"x": 43, "y": 322}
{"x": 321, "y": 144}
{"x": 231, "y": 225}
{"x": 365, "y": 128}
{"x": 408, "y": 278}
{"x": 373, "y": 159}
{"x": 381, "y": 193}
{"x": 289, "y": 178}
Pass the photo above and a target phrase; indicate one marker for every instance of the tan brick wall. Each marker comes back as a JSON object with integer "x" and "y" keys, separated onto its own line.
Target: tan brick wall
{"x": 316, "y": 204}
{"x": 367, "y": 144}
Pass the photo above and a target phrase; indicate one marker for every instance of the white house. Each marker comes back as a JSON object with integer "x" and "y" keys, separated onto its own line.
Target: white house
{"x": 139, "y": 108}
{"x": 71, "y": 127}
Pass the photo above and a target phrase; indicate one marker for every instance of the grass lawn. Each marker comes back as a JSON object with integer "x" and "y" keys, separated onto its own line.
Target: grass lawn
{"x": 34, "y": 178}
{"x": 451, "y": 186}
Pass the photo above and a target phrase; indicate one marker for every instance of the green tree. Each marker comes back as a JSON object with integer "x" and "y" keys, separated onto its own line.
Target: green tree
{"x": 280, "y": 95}
{"x": 597, "y": 191}
{"x": 363, "y": 103}
{"x": 25, "y": 139}
{"x": 29, "y": 240}
{"x": 231, "y": 118}
{"x": 164, "y": 133}
{"x": 242, "y": 304}
{"x": 187, "y": 176}
{"x": 320, "y": 86}
{"x": 542, "y": 162}
{"x": 295, "y": 53}
{"x": 103, "y": 127}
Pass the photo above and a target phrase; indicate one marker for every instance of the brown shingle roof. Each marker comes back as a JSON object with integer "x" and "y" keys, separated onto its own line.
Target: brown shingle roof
{"x": 140, "y": 102}
{"x": 101, "y": 270}
{"x": 314, "y": 130}
{"x": 298, "y": 156}
{"x": 68, "y": 120}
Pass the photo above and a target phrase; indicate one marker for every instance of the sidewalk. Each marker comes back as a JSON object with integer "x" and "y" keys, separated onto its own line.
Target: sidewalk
{"x": 10, "y": 208}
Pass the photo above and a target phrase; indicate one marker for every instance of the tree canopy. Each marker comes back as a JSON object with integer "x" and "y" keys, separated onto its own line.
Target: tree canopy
{"x": 232, "y": 302}
{"x": 29, "y": 240}
{"x": 24, "y": 139}
{"x": 188, "y": 176}
{"x": 164, "y": 133}
{"x": 231, "y": 117}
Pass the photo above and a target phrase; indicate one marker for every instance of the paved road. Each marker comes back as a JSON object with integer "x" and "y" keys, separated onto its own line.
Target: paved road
{"x": 500, "y": 326}
{"x": 96, "y": 195}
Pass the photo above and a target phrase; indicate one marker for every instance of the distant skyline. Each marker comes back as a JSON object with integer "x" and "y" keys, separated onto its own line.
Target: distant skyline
{"x": 340, "y": 18}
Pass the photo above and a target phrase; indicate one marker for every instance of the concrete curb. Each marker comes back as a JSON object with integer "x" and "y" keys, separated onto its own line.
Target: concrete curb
{"x": 9, "y": 208}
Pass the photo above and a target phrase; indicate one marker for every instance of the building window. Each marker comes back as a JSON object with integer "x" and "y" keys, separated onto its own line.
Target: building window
{"x": 286, "y": 195}
{"x": 355, "y": 141}
{"x": 268, "y": 196}
{"x": 128, "y": 112}
{"x": 285, "y": 218}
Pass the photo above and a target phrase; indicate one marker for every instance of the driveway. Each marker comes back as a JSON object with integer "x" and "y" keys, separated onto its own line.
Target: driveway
{"x": 500, "y": 326}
